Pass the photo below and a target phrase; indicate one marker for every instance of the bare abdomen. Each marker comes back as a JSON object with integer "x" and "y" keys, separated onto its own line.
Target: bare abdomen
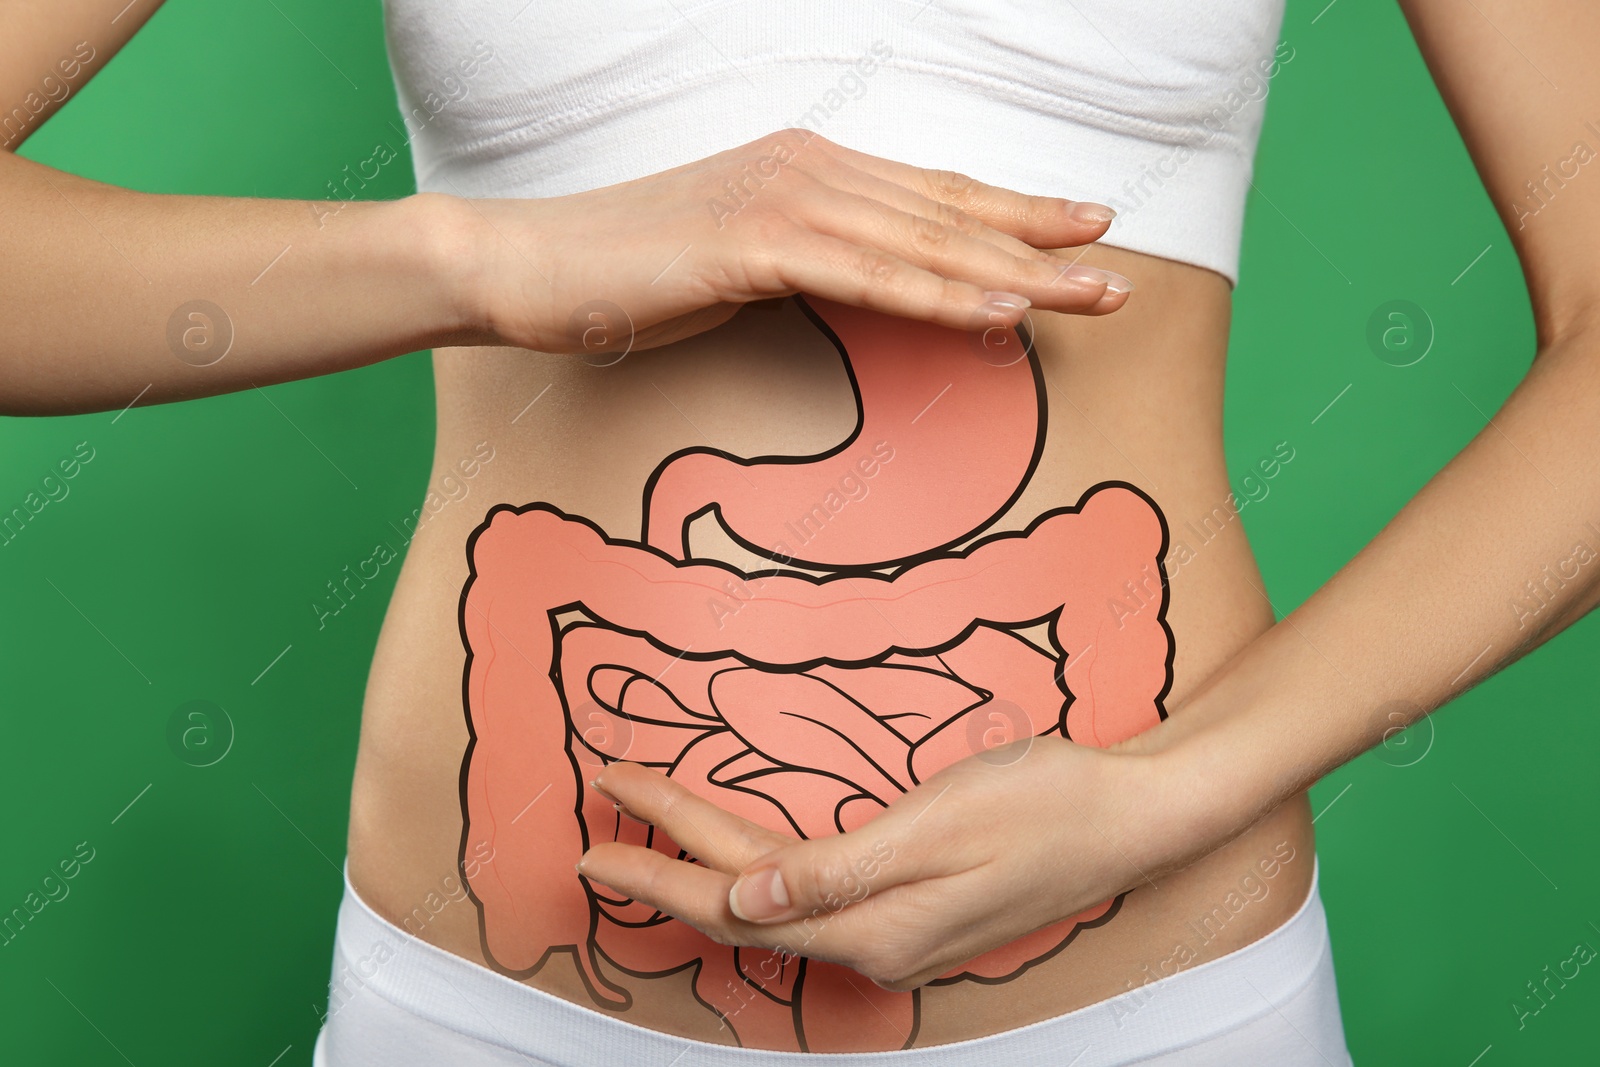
{"x": 787, "y": 634}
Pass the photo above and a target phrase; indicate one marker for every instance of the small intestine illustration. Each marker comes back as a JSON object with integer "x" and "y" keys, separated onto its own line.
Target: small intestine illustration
{"x": 897, "y": 631}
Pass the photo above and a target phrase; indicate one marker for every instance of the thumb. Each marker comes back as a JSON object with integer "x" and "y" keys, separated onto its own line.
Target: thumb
{"x": 823, "y": 875}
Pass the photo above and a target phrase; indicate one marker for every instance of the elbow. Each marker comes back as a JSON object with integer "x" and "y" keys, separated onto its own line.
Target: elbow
{"x": 1564, "y": 294}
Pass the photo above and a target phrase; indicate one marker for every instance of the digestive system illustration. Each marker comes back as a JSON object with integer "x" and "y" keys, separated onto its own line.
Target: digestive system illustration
{"x": 895, "y": 632}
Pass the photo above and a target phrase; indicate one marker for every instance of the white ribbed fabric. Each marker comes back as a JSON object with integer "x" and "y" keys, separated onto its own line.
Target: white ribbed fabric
{"x": 1152, "y": 107}
{"x": 397, "y": 1001}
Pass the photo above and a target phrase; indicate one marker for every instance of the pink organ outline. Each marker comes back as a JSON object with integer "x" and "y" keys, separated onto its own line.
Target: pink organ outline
{"x": 822, "y": 696}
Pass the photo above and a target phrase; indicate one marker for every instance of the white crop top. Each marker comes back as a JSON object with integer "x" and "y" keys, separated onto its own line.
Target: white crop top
{"x": 1152, "y": 107}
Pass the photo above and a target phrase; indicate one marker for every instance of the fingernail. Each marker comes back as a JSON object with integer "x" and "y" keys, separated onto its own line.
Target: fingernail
{"x": 1089, "y": 213}
{"x": 1003, "y": 302}
{"x": 759, "y": 897}
{"x": 1086, "y": 276}
{"x": 594, "y": 783}
{"x": 1116, "y": 283}
{"x": 578, "y": 866}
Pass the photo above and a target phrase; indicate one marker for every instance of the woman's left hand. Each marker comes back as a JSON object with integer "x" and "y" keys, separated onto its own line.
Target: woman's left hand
{"x": 991, "y": 848}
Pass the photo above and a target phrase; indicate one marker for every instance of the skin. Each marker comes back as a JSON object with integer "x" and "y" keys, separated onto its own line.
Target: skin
{"x": 381, "y": 279}
{"x": 1257, "y": 712}
{"x": 1302, "y": 698}
{"x": 1143, "y": 407}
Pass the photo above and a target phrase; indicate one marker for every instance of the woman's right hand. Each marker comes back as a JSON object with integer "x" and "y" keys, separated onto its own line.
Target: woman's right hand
{"x": 657, "y": 259}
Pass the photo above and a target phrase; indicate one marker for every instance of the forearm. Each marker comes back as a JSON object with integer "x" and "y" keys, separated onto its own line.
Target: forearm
{"x": 1495, "y": 555}
{"x": 104, "y": 284}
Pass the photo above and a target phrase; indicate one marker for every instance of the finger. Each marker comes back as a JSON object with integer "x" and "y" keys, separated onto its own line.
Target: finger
{"x": 1108, "y": 303}
{"x": 949, "y": 249}
{"x": 1041, "y": 221}
{"x": 719, "y": 838}
{"x": 688, "y": 892}
{"x": 831, "y": 873}
{"x": 698, "y": 896}
{"x": 860, "y": 183}
{"x": 836, "y": 269}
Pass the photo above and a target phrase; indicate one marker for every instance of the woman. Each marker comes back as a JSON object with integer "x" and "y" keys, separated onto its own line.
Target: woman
{"x": 1121, "y": 399}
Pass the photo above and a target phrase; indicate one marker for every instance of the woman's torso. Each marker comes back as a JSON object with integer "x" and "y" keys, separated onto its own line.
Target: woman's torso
{"x": 582, "y": 650}
{"x": 1133, "y": 397}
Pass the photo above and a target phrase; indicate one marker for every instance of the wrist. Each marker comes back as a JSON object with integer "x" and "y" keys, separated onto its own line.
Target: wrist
{"x": 1203, "y": 790}
{"x": 452, "y": 237}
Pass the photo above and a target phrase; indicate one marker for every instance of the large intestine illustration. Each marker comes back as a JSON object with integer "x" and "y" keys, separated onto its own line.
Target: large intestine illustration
{"x": 894, "y": 633}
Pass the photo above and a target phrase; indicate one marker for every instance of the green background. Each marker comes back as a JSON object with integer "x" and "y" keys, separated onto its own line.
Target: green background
{"x": 186, "y": 555}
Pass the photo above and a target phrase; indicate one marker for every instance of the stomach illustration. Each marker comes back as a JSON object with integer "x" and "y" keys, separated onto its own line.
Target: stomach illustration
{"x": 902, "y": 619}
